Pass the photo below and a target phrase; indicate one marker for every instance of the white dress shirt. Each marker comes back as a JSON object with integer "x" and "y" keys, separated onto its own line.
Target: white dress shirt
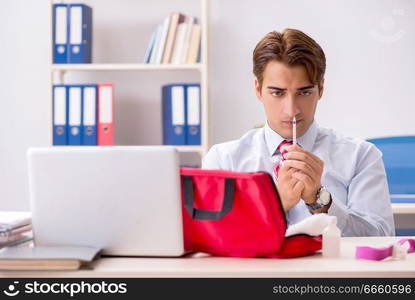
{"x": 353, "y": 173}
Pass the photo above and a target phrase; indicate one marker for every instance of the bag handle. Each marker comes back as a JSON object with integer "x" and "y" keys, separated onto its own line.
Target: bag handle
{"x": 200, "y": 214}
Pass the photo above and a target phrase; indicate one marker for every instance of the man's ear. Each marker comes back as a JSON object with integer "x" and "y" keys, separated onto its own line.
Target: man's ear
{"x": 321, "y": 88}
{"x": 258, "y": 90}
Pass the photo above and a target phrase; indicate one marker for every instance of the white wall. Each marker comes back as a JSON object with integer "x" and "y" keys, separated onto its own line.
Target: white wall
{"x": 369, "y": 77}
{"x": 24, "y": 79}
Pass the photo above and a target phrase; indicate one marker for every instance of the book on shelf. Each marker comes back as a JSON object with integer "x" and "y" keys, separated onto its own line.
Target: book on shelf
{"x": 174, "y": 41}
{"x": 186, "y": 40}
{"x": 175, "y": 19}
{"x": 192, "y": 56}
{"x": 156, "y": 45}
{"x": 150, "y": 47}
{"x": 46, "y": 258}
{"x": 179, "y": 42}
{"x": 163, "y": 38}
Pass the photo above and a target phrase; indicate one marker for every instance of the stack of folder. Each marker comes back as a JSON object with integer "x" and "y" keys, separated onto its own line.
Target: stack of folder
{"x": 15, "y": 228}
{"x": 176, "y": 41}
{"x": 72, "y": 33}
{"x": 181, "y": 114}
{"x": 83, "y": 114}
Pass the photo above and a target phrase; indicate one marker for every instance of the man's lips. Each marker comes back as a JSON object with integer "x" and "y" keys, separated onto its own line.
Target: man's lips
{"x": 290, "y": 122}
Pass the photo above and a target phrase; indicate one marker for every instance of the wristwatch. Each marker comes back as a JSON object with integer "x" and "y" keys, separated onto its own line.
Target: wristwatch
{"x": 323, "y": 199}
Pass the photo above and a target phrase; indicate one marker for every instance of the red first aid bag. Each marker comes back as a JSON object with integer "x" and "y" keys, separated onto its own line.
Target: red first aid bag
{"x": 237, "y": 214}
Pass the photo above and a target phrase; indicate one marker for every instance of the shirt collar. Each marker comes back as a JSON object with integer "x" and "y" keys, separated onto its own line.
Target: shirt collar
{"x": 306, "y": 141}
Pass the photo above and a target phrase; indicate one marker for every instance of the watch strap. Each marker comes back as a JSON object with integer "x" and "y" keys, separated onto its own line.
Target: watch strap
{"x": 316, "y": 205}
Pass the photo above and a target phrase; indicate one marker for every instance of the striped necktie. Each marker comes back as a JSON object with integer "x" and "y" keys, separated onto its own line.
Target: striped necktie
{"x": 282, "y": 147}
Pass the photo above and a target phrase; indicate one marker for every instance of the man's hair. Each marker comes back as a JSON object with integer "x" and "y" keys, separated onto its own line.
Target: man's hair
{"x": 293, "y": 48}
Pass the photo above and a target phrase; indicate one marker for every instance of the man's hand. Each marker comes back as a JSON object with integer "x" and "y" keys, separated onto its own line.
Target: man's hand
{"x": 308, "y": 169}
{"x": 289, "y": 187}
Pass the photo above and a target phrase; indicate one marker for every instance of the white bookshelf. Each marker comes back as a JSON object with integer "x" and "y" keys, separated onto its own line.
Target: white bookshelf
{"x": 403, "y": 208}
{"x": 58, "y": 72}
{"x": 125, "y": 67}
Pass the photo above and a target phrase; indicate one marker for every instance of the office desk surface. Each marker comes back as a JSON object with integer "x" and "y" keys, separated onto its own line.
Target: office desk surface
{"x": 201, "y": 265}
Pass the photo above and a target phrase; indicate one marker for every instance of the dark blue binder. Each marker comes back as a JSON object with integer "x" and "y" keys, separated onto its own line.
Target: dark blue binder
{"x": 410, "y": 198}
{"x": 89, "y": 114}
{"x": 80, "y": 34}
{"x": 60, "y": 115}
{"x": 74, "y": 114}
{"x": 174, "y": 114}
{"x": 60, "y": 33}
{"x": 193, "y": 119}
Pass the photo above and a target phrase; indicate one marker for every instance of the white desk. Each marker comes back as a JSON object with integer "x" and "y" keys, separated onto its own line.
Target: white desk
{"x": 207, "y": 266}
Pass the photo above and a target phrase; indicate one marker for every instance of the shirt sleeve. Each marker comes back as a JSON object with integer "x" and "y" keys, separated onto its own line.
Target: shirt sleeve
{"x": 213, "y": 160}
{"x": 368, "y": 210}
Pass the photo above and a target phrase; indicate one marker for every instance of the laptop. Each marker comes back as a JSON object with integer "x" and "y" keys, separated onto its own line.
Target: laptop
{"x": 123, "y": 199}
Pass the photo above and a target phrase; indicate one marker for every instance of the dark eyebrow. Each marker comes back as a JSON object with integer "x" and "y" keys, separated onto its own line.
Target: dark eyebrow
{"x": 276, "y": 88}
{"x": 305, "y": 87}
{"x": 299, "y": 89}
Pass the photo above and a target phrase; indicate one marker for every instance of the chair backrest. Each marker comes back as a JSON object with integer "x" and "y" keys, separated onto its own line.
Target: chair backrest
{"x": 399, "y": 159}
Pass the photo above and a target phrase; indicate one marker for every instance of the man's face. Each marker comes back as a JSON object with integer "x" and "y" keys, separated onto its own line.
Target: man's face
{"x": 287, "y": 92}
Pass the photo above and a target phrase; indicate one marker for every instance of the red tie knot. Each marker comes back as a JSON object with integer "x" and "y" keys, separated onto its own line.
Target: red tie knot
{"x": 282, "y": 147}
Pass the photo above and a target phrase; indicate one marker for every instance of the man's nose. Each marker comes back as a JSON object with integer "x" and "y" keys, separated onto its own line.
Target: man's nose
{"x": 290, "y": 107}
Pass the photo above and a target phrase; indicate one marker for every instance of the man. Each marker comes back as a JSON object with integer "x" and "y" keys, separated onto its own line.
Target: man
{"x": 325, "y": 172}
